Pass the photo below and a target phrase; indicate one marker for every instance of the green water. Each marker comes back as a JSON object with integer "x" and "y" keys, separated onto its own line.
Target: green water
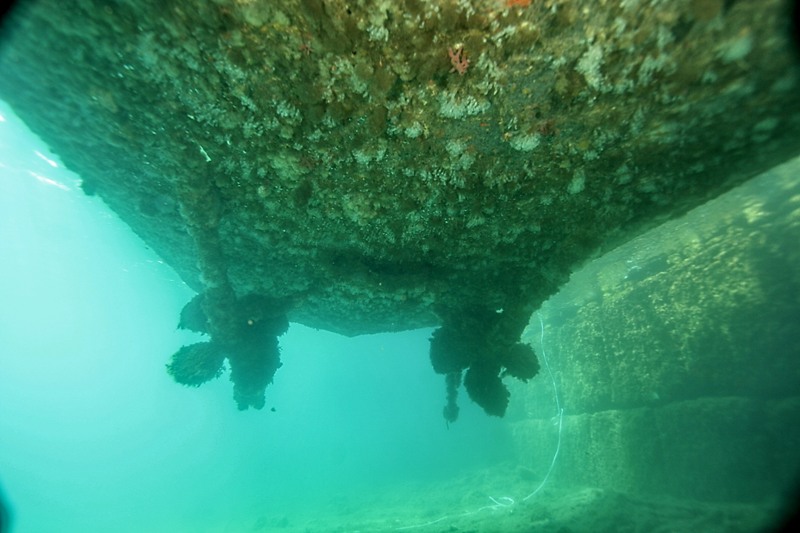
{"x": 95, "y": 436}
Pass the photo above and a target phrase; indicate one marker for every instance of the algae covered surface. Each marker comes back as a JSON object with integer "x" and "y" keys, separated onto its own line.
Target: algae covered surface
{"x": 583, "y": 214}
{"x": 382, "y": 165}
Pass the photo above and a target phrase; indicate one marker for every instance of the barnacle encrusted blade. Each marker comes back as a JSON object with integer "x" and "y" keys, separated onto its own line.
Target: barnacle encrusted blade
{"x": 381, "y": 165}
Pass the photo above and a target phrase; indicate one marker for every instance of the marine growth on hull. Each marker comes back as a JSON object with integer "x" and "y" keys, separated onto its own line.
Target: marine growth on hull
{"x": 373, "y": 165}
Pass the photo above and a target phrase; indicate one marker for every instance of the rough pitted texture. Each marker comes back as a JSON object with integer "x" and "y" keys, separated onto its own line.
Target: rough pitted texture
{"x": 675, "y": 356}
{"x": 704, "y": 306}
{"x": 379, "y": 165}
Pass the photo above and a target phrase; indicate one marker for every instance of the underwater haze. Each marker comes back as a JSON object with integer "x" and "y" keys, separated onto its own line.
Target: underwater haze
{"x": 95, "y": 435}
{"x": 667, "y": 400}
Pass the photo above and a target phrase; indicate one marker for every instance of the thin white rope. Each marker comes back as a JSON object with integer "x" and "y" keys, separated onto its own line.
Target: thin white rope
{"x": 558, "y": 408}
{"x": 506, "y": 501}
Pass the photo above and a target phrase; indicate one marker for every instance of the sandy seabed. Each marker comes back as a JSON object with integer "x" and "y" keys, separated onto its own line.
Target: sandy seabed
{"x": 493, "y": 501}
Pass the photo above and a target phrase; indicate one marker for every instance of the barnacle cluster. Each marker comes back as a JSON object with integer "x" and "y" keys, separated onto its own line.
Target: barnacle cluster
{"x": 251, "y": 347}
{"x": 482, "y": 345}
{"x": 323, "y": 161}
